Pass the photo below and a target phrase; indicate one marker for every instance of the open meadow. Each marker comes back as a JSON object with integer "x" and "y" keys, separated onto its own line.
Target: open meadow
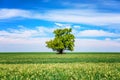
{"x": 51, "y": 66}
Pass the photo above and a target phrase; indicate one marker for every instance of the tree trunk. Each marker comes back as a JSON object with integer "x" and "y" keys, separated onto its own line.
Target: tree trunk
{"x": 60, "y": 51}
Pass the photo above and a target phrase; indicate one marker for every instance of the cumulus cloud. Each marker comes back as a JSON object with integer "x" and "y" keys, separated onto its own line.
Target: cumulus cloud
{"x": 25, "y": 39}
{"x": 65, "y": 15}
{"x": 117, "y": 39}
{"x": 38, "y": 44}
{"x": 10, "y": 13}
{"x": 60, "y": 25}
{"x": 41, "y": 31}
{"x": 97, "y": 33}
{"x": 23, "y": 45}
{"x": 77, "y": 27}
{"x": 23, "y": 32}
{"x": 92, "y": 45}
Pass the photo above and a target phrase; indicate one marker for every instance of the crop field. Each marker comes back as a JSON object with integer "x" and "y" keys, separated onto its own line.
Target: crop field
{"x": 51, "y": 66}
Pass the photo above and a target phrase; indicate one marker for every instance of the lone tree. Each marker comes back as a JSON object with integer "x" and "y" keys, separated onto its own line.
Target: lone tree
{"x": 64, "y": 40}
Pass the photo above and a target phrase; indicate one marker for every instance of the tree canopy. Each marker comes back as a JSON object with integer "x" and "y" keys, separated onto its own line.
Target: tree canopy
{"x": 64, "y": 40}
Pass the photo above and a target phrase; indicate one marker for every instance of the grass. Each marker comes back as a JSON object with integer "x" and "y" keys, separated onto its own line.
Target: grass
{"x": 35, "y": 58}
{"x": 49, "y": 66}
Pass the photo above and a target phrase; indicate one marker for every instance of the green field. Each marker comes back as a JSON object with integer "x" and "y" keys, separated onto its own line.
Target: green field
{"x": 51, "y": 66}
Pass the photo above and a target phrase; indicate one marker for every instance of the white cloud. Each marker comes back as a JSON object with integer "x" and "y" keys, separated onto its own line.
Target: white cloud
{"x": 10, "y": 13}
{"x": 108, "y": 39}
{"x": 38, "y": 44}
{"x": 60, "y": 25}
{"x": 77, "y": 27}
{"x": 23, "y": 32}
{"x": 24, "y": 40}
{"x": 41, "y": 31}
{"x": 38, "y": 31}
{"x": 65, "y": 15}
{"x": 23, "y": 45}
{"x": 97, "y": 33}
{"x": 92, "y": 45}
{"x": 118, "y": 39}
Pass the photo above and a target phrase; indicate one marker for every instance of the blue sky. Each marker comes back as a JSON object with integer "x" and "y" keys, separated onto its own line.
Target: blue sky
{"x": 25, "y": 25}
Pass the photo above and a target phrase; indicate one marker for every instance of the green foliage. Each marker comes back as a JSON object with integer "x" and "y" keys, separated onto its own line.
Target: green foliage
{"x": 49, "y": 66}
{"x": 44, "y": 58}
{"x": 64, "y": 40}
{"x": 60, "y": 71}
